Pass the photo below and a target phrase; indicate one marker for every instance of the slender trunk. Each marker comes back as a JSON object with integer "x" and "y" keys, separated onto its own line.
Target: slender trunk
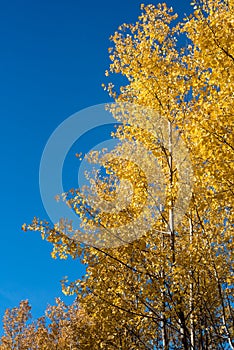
{"x": 163, "y": 324}
{"x": 163, "y": 318}
{"x": 171, "y": 204}
{"x": 191, "y": 301}
{"x": 183, "y": 328}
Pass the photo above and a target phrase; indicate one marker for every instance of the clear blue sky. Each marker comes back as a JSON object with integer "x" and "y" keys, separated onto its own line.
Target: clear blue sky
{"x": 53, "y": 56}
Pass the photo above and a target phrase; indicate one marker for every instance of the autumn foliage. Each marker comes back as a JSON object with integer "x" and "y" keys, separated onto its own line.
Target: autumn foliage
{"x": 62, "y": 327}
{"x": 172, "y": 288}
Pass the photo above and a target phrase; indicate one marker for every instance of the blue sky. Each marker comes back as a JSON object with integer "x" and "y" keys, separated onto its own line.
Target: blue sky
{"x": 53, "y": 56}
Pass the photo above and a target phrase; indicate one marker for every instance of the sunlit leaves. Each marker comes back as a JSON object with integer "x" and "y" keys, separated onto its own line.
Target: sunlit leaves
{"x": 170, "y": 287}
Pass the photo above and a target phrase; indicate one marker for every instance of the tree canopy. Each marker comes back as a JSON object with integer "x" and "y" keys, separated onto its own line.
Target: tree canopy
{"x": 172, "y": 287}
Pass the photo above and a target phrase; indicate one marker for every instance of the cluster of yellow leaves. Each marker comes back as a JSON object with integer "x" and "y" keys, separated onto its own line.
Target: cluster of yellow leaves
{"x": 171, "y": 287}
{"x": 63, "y": 327}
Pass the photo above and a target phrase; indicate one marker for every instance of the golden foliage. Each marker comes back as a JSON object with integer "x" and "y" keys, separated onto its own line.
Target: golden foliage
{"x": 172, "y": 288}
